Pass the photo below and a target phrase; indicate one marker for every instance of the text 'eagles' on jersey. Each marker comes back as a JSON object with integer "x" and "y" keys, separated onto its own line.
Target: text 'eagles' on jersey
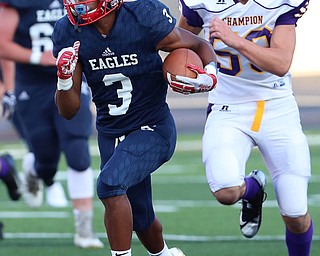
{"x": 128, "y": 76}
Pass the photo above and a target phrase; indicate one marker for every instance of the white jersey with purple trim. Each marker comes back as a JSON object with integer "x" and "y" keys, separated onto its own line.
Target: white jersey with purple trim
{"x": 239, "y": 81}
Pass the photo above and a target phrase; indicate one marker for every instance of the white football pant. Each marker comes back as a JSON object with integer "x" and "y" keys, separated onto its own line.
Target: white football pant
{"x": 273, "y": 126}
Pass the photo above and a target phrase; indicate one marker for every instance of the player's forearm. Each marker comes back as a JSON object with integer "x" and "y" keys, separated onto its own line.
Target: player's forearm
{"x": 68, "y": 103}
{"x": 273, "y": 60}
{"x": 14, "y": 52}
{"x": 8, "y": 73}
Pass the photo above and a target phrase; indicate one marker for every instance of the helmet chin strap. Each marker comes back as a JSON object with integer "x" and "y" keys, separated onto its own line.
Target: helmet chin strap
{"x": 76, "y": 25}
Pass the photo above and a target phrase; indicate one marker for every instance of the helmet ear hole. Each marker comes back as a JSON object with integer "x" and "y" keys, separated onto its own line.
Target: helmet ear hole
{"x": 113, "y": 3}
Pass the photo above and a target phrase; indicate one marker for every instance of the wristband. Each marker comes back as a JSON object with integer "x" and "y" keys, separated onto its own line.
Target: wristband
{"x": 211, "y": 68}
{"x": 64, "y": 84}
{"x": 35, "y": 57}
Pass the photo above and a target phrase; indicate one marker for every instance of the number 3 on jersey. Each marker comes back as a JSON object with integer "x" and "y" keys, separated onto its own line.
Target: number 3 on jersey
{"x": 165, "y": 13}
{"x": 123, "y": 93}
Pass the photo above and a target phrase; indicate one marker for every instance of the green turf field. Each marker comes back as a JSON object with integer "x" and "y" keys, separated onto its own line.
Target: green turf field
{"x": 191, "y": 218}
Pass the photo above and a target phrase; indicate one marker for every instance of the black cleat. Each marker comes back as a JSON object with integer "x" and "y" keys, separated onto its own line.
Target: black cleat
{"x": 11, "y": 180}
{"x": 251, "y": 211}
{"x": 1, "y": 230}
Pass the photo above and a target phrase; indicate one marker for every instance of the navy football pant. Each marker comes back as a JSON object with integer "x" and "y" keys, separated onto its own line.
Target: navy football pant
{"x": 49, "y": 133}
{"x": 126, "y": 167}
{"x": 18, "y": 125}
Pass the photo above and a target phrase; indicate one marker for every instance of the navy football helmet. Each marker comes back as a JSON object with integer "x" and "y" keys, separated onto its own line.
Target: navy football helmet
{"x": 80, "y": 13}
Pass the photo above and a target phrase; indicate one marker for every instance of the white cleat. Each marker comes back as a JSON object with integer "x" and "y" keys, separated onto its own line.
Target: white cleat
{"x": 84, "y": 237}
{"x": 87, "y": 242}
{"x": 176, "y": 252}
{"x": 55, "y": 195}
{"x": 32, "y": 187}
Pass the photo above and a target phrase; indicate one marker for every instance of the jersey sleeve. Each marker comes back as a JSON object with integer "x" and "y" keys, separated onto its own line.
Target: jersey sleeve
{"x": 291, "y": 17}
{"x": 193, "y": 18}
{"x": 61, "y": 36}
{"x": 158, "y": 18}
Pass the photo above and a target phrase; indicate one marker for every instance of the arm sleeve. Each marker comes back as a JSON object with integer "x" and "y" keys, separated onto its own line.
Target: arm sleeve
{"x": 160, "y": 23}
{"x": 291, "y": 17}
{"x": 61, "y": 36}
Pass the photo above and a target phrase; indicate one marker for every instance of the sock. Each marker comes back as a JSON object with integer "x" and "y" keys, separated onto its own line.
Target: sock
{"x": 299, "y": 244}
{"x": 252, "y": 187}
{"x": 4, "y": 167}
{"x": 164, "y": 252}
{"x": 121, "y": 253}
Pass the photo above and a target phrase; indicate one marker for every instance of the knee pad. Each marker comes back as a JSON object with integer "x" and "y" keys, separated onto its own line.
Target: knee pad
{"x": 291, "y": 191}
{"x": 77, "y": 154}
{"x": 104, "y": 190}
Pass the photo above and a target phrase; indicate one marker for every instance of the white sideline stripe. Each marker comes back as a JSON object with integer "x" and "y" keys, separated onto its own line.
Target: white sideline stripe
{"x": 167, "y": 206}
{"x": 191, "y": 145}
{"x": 174, "y": 169}
{"x": 183, "y": 238}
{"x": 34, "y": 215}
{"x": 63, "y": 215}
{"x": 314, "y": 200}
{"x": 313, "y": 140}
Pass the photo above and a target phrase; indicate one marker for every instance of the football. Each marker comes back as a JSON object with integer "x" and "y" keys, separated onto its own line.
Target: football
{"x": 176, "y": 63}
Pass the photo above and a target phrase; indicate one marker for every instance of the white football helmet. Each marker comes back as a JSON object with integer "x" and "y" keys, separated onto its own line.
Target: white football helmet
{"x": 80, "y": 13}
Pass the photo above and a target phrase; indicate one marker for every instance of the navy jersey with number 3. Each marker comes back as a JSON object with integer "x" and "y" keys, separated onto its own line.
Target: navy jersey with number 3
{"x": 123, "y": 68}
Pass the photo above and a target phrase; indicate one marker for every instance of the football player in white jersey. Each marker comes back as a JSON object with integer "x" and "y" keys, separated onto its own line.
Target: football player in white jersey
{"x": 253, "y": 105}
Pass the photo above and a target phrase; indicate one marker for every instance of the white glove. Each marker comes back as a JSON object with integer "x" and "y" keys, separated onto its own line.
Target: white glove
{"x": 205, "y": 81}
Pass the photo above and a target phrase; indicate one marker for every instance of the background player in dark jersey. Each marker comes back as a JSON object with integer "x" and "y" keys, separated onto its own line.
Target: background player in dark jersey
{"x": 10, "y": 178}
{"x": 8, "y": 109}
{"x": 26, "y": 39}
{"x": 8, "y": 173}
{"x": 117, "y": 46}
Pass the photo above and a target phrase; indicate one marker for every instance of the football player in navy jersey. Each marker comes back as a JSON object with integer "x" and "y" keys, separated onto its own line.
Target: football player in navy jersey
{"x": 7, "y": 88}
{"x": 8, "y": 172}
{"x": 8, "y": 109}
{"x": 26, "y": 39}
{"x": 116, "y": 44}
{"x": 10, "y": 177}
{"x": 254, "y": 106}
